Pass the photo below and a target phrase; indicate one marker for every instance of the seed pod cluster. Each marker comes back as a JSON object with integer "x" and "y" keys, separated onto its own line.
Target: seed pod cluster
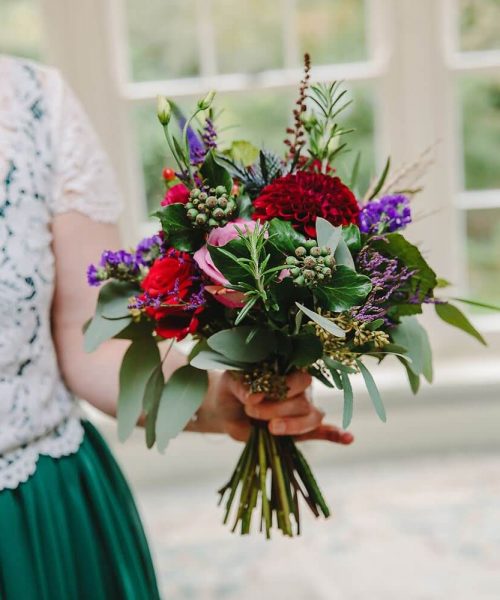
{"x": 263, "y": 378}
{"x": 210, "y": 209}
{"x": 311, "y": 264}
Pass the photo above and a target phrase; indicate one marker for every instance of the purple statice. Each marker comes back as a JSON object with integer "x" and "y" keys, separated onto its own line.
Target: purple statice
{"x": 388, "y": 277}
{"x": 385, "y": 215}
{"x": 148, "y": 250}
{"x": 120, "y": 265}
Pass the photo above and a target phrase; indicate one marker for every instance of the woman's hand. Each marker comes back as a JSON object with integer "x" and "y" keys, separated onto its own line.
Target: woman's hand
{"x": 230, "y": 406}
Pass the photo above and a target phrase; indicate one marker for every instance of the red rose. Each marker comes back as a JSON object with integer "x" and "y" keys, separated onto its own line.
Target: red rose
{"x": 302, "y": 197}
{"x": 173, "y": 295}
{"x": 177, "y": 194}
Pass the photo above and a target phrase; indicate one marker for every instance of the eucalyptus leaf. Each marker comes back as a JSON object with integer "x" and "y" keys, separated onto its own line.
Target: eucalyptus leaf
{"x": 337, "y": 380}
{"x": 335, "y": 364}
{"x": 115, "y": 298}
{"x": 151, "y": 402}
{"x": 100, "y": 330}
{"x": 323, "y": 322}
{"x": 478, "y": 304}
{"x": 454, "y": 316}
{"x": 343, "y": 255}
{"x": 411, "y": 335}
{"x": 328, "y": 235}
{"x": 371, "y": 386}
{"x": 208, "y": 359}
{"x": 181, "y": 398}
{"x": 318, "y": 374}
{"x": 232, "y": 343}
{"x": 348, "y": 400}
{"x": 413, "y": 380}
{"x": 140, "y": 360}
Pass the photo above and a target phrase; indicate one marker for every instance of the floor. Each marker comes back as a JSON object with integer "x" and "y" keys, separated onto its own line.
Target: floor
{"x": 415, "y": 529}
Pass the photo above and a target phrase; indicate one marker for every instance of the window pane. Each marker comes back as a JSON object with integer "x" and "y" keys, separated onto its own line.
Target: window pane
{"x": 480, "y": 99}
{"x": 483, "y": 247}
{"x": 20, "y": 28}
{"x": 248, "y": 34}
{"x": 162, "y": 39}
{"x": 479, "y": 24}
{"x": 261, "y": 117}
{"x": 332, "y": 30}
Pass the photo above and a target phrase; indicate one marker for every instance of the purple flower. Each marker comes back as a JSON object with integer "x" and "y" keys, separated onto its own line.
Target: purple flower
{"x": 148, "y": 250}
{"x": 388, "y": 277}
{"x": 386, "y": 214}
{"x": 94, "y": 275}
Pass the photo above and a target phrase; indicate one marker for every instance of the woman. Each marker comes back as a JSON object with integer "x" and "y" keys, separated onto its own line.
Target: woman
{"x": 68, "y": 524}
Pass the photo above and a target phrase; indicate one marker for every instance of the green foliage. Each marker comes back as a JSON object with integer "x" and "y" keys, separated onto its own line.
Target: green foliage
{"x": 284, "y": 236}
{"x": 209, "y": 359}
{"x": 320, "y": 124}
{"x": 243, "y": 152}
{"x": 151, "y": 402}
{"x": 396, "y": 246}
{"x": 371, "y": 386}
{"x": 236, "y": 345}
{"x": 113, "y": 299}
{"x": 139, "y": 363}
{"x": 381, "y": 180}
{"x": 412, "y": 336}
{"x": 327, "y": 235}
{"x": 178, "y": 229}
{"x": 215, "y": 174}
{"x": 454, "y": 316}
{"x": 348, "y": 400}
{"x": 181, "y": 398}
{"x": 347, "y": 289}
{"x": 352, "y": 237}
{"x": 323, "y": 322}
{"x": 306, "y": 350}
{"x": 343, "y": 255}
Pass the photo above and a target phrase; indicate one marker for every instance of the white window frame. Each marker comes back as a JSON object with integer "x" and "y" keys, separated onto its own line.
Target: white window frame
{"x": 413, "y": 63}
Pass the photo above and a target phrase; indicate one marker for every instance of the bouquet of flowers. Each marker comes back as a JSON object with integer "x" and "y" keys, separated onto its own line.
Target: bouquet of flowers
{"x": 271, "y": 264}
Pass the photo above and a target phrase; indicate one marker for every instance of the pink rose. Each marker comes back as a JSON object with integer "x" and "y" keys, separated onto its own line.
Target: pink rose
{"x": 220, "y": 236}
{"x": 177, "y": 194}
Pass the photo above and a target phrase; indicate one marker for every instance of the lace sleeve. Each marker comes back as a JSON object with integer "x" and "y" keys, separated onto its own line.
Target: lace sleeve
{"x": 84, "y": 180}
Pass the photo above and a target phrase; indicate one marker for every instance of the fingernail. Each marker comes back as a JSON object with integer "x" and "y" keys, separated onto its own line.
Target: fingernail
{"x": 347, "y": 438}
{"x": 278, "y": 427}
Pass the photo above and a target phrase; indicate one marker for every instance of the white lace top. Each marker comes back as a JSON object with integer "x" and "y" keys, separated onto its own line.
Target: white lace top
{"x": 50, "y": 162}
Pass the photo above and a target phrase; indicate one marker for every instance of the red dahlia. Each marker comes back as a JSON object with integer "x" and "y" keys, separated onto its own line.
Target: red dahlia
{"x": 301, "y": 197}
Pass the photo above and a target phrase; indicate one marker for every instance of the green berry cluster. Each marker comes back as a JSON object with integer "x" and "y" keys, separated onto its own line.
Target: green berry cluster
{"x": 311, "y": 264}
{"x": 210, "y": 209}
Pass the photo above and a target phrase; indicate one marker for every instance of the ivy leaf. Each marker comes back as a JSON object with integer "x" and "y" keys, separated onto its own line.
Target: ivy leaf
{"x": 140, "y": 360}
{"x": 323, "y": 322}
{"x": 215, "y": 174}
{"x": 178, "y": 229}
{"x": 327, "y": 234}
{"x": 181, "y": 398}
{"x": 347, "y": 289}
{"x": 233, "y": 344}
{"x": 284, "y": 237}
{"x": 372, "y": 388}
{"x": 412, "y": 336}
{"x": 454, "y": 316}
{"x": 348, "y": 400}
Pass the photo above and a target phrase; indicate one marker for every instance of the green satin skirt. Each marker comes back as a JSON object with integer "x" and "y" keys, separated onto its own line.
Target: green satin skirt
{"x": 72, "y": 532}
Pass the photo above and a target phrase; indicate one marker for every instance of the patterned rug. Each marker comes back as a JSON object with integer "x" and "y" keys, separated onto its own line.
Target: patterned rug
{"x": 419, "y": 529}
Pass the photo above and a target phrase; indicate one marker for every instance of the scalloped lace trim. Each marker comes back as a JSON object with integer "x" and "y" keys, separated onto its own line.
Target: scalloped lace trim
{"x": 16, "y": 467}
